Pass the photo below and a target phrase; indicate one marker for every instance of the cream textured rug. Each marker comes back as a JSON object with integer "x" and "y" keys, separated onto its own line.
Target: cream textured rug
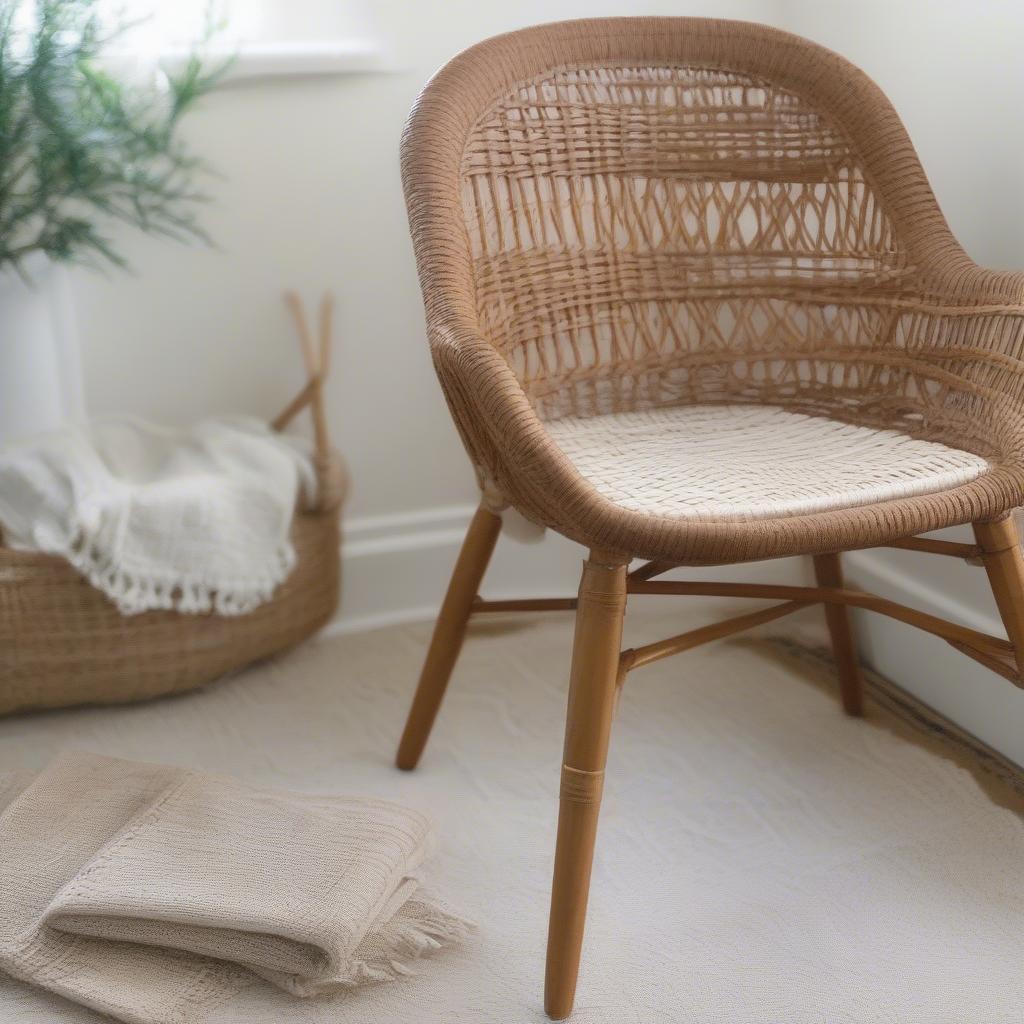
{"x": 158, "y": 894}
{"x": 761, "y": 859}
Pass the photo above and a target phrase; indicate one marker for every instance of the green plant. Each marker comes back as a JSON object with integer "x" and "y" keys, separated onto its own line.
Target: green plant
{"x": 81, "y": 149}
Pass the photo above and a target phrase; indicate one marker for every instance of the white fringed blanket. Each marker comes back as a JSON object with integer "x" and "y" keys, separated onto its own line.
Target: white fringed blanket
{"x": 196, "y": 520}
{"x": 157, "y": 894}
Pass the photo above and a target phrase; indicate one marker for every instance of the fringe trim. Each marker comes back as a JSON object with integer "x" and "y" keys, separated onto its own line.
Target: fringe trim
{"x": 423, "y": 926}
{"x": 187, "y": 593}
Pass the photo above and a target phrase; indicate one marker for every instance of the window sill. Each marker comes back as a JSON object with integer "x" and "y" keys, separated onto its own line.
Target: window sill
{"x": 256, "y": 62}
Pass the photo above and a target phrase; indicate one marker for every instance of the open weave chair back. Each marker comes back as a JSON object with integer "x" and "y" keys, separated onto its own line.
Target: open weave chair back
{"x": 645, "y": 234}
{"x": 646, "y": 212}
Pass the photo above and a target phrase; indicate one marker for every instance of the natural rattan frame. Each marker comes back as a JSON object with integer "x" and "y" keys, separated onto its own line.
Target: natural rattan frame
{"x": 941, "y": 356}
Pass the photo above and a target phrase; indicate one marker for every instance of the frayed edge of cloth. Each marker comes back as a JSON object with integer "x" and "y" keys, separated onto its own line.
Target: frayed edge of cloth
{"x": 424, "y": 926}
{"x": 134, "y": 595}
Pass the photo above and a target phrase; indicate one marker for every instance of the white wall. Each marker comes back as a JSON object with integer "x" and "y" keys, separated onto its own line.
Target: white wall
{"x": 953, "y": 71}
{"x": 310, "y": 197}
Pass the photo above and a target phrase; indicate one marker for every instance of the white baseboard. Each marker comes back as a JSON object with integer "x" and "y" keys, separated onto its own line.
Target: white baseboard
{"x": 977, "y": 700}
{"x": 396, "y": 567}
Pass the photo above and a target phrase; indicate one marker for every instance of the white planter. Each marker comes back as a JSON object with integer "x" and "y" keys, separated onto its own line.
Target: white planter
{"x": 40, "y": 370}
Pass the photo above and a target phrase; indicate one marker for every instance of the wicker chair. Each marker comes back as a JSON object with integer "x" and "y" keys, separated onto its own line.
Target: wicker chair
{"x": 691, "y": 300}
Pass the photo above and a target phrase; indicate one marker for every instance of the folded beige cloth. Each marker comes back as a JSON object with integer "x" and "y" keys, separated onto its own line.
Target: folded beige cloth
{"x": 155, "y": 894}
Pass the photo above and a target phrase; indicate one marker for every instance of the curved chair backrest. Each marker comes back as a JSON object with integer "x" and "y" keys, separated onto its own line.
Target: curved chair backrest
{"x": 646, "y": 211}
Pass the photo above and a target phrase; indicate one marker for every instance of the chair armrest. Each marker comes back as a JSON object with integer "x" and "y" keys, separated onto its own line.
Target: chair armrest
{"x": 961, "y": 338}
{"x": 953, "y": 278}
{"x": 507, "y": 441}
{"x": 968, "y": 320}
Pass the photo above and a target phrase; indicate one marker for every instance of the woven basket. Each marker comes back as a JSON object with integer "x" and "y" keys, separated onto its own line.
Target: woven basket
{"x": 64, "y": 642}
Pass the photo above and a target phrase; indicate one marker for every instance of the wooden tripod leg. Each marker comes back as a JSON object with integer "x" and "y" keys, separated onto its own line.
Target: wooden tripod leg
{"x": 595, "y": 657}
{"x": 449, "y": 631}
{"x": 828, "y": 572}
{"x": 1004, "y": 564}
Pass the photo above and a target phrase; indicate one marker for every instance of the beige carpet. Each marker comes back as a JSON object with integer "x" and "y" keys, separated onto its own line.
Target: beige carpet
{"x": 762, "y": 860}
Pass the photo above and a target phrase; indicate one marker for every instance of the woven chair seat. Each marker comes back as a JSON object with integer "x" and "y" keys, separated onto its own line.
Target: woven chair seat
{"x": 752, "y": 462}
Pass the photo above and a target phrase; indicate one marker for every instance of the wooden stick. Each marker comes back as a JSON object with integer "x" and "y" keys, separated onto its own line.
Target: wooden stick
{"x": 321, "y": 436}
{"x": 294, "y": 407}
{"x": 595, "y": 653}
{"x": 651, "y": 569}
{"x": 320, "y": 432}
{"x": 530, "y": 604}
{"x": 449, "y": 631}
{"x": 1004, "y": 565}
{"x": 937, "y": 547}
{"x": 828, "y": 572}
{"x": 294, "y": 304}
{"x": 856, "y": 598}
{"x": 635, "y": 657}
{"x": 317, "y": 360}
{"x": 326, "y": 321}
{"x": 1002, "y": 664}
{"x": 969, "y": 552}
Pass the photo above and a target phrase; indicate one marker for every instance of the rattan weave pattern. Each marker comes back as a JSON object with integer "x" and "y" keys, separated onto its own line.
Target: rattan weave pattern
{"x": 627, "y": 214}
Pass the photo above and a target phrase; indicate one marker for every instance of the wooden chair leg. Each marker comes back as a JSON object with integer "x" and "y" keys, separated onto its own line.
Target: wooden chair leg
{"x": 449, "y": 631}
{"x": 828, "y": 572}
{"x": 1004, "y": 564}
{"x": 595, "y": 656}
